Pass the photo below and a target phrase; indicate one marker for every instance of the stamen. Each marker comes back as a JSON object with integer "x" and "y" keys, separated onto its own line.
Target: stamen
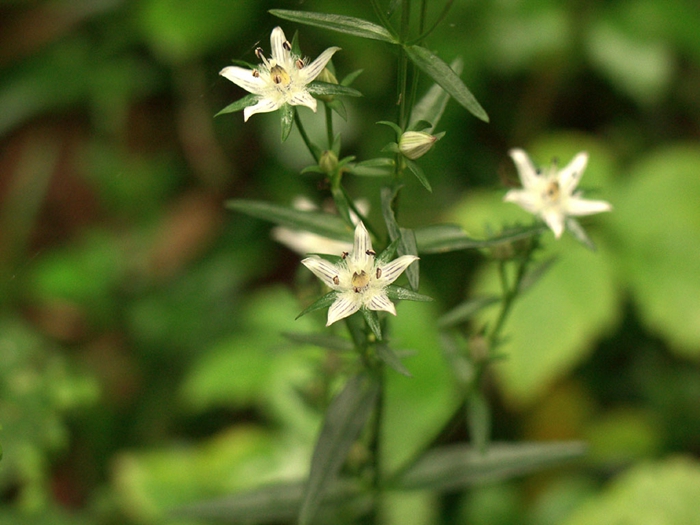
{"x": 260, "y": 53}
{"x": 279, "y": 75}
{"x": 256, "y": 73}
{"x": 371, "y": 252}
{"x": 336, "y": 281}
{"x": 299, "y": 63}
{"x": 286, "y": 45}
{"x": 360, "y": 281}
{"x": 344, "y": 255}
{"x": 379, "y": 273}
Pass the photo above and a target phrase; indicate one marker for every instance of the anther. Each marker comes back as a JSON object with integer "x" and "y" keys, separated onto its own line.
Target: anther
{"x": 260, "y": 53}
{"x": 344, "y": 255}
{"x": 336, "y": 281}
{"x": 256, "y": 73}
{"x": 299, "y": 63}
{"x": 379, "y": 273}
{"x": 286, "y": 45}
{"x": 371, "y": 252}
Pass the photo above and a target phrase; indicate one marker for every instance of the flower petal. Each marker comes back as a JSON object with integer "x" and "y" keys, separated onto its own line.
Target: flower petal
{"x": 380, "y": 301}
{"x": 526, "y": 169}
{"x": 277, "y": 39}
{"x": 311, "y": 71}
{"x": 344, "y": 306}
{"x": 361, "y": 245}
{"x": 322, "y": 269}
{"x": 303, "y": 98}
{"x": 264, "y": 105}
{"x": 579, "y": 206}
{"x": 571, "y": 174}
{"x": 555, "y": 220}
{"x": 244, "y": 78}
{"x": 527, "y": 200}
{"x": 391, "y": 271}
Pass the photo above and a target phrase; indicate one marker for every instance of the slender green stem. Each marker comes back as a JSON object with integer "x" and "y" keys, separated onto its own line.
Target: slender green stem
{"x": 329, "y": 126}
{"x": 375, "y": 445}
{"x": 304, "y": 136}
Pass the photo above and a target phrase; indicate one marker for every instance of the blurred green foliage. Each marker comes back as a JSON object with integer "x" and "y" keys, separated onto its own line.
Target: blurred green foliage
{"x": 141, "y": 361}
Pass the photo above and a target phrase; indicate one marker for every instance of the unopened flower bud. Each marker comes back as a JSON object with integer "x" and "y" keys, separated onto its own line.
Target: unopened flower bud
{"x": 415, "y": 144}
{"x": 328, "y": 162}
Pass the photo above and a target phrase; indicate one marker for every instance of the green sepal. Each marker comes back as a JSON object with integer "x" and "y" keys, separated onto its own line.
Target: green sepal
{"x": 320, "y": 223}
{"x": 399, "y": 293}
{"x": 343, "y": 24}
{"x": 392, "y": 360}
{"x": 351, "y": 77}
{"x": 393, "y": 126}
{"x": 286, "y": 120}
{"x": 240, "y": 104}
{"x": 337, "y": 105}
{"x": 318, "y": 304}
{"x": 442, "y": 74}
{"x": 345, "y": 418}
{"x": 325, "y": 89}
{"x": 419, "y": 173}
{"x": 372, "y": 320}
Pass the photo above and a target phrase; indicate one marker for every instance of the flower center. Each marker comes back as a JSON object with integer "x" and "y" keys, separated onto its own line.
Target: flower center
{"x": 360, "y": 281}
{"x": 551, "y": 193}
{"x": 279, "y": 75}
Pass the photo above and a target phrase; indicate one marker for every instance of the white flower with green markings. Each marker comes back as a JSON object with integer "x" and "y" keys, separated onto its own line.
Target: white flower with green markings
{"x": 360, "y": 279}
{"x": 550, "y": 194}
{"x": 281, "y": 79}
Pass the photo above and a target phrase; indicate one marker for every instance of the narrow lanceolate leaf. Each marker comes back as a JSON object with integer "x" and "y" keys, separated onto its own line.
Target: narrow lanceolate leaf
{"x": 326, "y": 88}
{"x": 442, "y": 238}
{"x": 372, "y": 320}
{"x": 399, "y": 293}
{"x": 346, "y": 417}
{"x": 392, "y": 360}
{"x": 419, "y": 173}
{"x": 239, "y": 105}
{"x": 323, "y": 302}
{"x": 431, "y": 107}
{"x": 320, "y": 223}
{"x": 343, "y": 24}
{"x": 408, "y": 246}
{"x": 457, "y": 466}
{"x": 441, "y": 73}
{"x": 379, "y": 167}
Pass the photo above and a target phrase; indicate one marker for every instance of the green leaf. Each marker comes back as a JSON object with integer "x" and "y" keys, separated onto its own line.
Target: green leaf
{"x": 393, "y": 126}
{"x": 275, "y": 503}
{"x": 337, "y": 105}
{"x": 398, "y": 293}
{"x": 479, "y": 421}
{"x": 441, "y": 73}
{"x": 664, "y": 492}
{"x": 407, "y": 245}
{"x": 372, "y": 320}
{"x": 286, "y": 120}
{"x": 379, "y": 167}
{"x": 327, "y": 89}
{"x": 351, "y": 77}
{"x": 346, "y": 417}
{"x": 455, "y": 467}
{"x": 324, "y": 224}
{"x": 323, "y": 302}
{"x": 431, "y": 107}
{"x": 239, "y": 105}
{"x": 329, "y": 342}
{"x": 386, "y": 354}
{"x": 466, "y": 310}
{"x": 418, "y": 172}
{"x": 342, "y": 24}
{"x": 441, "y": 238}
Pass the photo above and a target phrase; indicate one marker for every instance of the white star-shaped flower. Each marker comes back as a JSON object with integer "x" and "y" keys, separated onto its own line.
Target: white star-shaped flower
{"x": 359, "y": 279}
{"x": 280, "y": 80}
{"x": 550, "y": 195}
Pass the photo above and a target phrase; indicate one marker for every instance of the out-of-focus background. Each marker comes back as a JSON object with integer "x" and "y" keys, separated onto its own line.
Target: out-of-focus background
{"x": 141, "y": 365}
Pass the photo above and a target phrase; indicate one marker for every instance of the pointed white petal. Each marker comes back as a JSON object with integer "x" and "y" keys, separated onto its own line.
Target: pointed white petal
{"x": 361, "y": 245}
{"x": 528, "y": 200}
{"x": 303, "y": 98}
{"x": 244, "y": 78}
{"x": 555, "y": 221}
{"x": 571, "y": 174}
{"x": 578, "y": 206}
{"x": 391, "y": 271}
{"x": 343, "y": 307}
{"x": 526, "y": 169}
{"x": 264, "y": 105}
{"x": 380, "y": 301}
{"x": 322, "y": 269}
{"x": 311, "y": 71}
{"x": 277, "y": 40}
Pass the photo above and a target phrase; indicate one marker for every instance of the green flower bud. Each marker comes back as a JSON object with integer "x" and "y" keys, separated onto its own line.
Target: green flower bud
{"x": 328, "y": 162}
{"x": 415, "y": 144}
